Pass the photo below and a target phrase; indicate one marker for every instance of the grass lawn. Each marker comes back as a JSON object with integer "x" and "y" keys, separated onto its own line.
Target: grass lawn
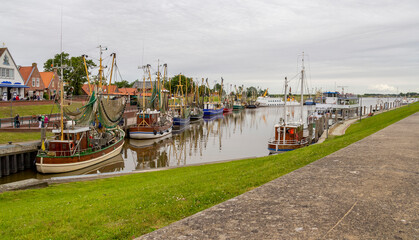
{"x": 6, "y": 137}
{"x": 129, "y": 206}
{"x": 34, "y": 109}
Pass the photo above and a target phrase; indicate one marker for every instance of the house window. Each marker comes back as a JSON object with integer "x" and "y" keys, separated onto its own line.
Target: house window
{"x": 37, "y": 82}
{"x": 33, "y": 82}
{"x": 6, "y": 73}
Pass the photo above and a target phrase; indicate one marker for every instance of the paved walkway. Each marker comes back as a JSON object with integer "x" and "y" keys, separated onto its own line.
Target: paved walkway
{"x": 368, "y": 190}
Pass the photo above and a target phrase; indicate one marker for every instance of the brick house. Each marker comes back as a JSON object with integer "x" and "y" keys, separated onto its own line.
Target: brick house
{"x": 32, "y": 79}
{"x": 51, "y": 82}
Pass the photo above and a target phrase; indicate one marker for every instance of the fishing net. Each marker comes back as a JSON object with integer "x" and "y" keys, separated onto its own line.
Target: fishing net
{"x": 111, "y": 111}
{"x": 82, "y": 116}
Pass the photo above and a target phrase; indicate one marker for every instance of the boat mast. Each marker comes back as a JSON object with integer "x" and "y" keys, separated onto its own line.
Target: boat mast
{"x": 62, "y": 82}
{"x": 110, "y": 78}
{"x": 221, "y": 91}
{"x": 302, "y": 88}
{"x": 87, "y": 73}
{"x": 101, "y": 49}
{"x": 158, "y": 83}
{"x": 285, "y": 109}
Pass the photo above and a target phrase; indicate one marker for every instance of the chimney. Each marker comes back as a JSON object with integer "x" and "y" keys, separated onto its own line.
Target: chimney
{"x": 33, "y": 64}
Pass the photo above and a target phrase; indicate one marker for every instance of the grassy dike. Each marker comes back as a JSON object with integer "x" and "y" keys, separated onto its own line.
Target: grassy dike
{"x": 132, "y": 205}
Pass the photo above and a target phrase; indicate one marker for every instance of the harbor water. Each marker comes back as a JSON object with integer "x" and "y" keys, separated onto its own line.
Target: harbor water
{"x": 237, "y": 135}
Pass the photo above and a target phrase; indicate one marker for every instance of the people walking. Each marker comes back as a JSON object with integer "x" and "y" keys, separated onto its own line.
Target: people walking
{"x": 39, "y": 121}
{"x": 43, "y": 121}
{"x": 46, "y": 120}
{"x": 17, "y": 122}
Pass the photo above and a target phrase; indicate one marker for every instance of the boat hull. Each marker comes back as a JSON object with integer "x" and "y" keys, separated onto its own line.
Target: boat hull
{"x": 237, "y": 107}
{"x": 208, "y": 112}
{"x": 178, "y": 121}
{"x": 227, "y": 110}
{"x": 277, "y": 148}
{"x": 49, "y": 164}
{"x": 149, "y": 133}
{"x": 251, "y": 106}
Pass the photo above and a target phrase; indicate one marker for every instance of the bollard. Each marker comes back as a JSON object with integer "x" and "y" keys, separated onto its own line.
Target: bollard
{"x": 27, "y": 160}
{"x": 20, "y": 162}
{"x": 5, "y": 166}
{"x": 310, "y": 131}
{"x": 13, "y": 164}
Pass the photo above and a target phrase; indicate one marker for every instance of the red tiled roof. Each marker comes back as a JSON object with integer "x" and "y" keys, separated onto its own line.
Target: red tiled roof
{"x": 25, "y": 72}
{"x": 128, "y": 91}
{"x": 2, "y": 50}
{"x": 46, "y": 78}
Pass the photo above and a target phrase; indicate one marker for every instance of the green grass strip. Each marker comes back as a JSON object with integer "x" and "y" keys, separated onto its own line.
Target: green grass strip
{"x": 132, "y": 205}
{"x": 31, "y": 110}
{"x": 15, "y": 137}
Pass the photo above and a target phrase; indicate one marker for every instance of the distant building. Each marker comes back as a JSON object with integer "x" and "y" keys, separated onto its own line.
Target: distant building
{"x": 11, "y": 81}
{"x": 51, "y": 82}
{"x": 32, "y": 79}
{"x": 139, "y": 85}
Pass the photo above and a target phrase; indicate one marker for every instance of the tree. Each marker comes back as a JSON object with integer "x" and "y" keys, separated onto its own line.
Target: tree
{"x": 124, "y": 84}
{"x": 74, "y": 74}
{"x": 174, "y": 82}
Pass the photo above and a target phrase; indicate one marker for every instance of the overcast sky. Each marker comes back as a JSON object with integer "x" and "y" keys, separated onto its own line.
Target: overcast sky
{"x": 369, "y": 46}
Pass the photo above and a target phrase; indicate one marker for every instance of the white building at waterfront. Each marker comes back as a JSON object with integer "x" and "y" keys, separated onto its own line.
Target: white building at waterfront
{"x": 11, "y": 82}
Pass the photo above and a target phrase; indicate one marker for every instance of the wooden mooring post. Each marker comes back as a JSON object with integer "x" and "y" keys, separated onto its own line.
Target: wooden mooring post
{"x": 15, "y": 158}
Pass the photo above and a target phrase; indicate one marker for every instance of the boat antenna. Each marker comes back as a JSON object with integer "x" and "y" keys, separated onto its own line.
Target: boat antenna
{"x": 302, "y": 89}
{"x": 285, "y": 107}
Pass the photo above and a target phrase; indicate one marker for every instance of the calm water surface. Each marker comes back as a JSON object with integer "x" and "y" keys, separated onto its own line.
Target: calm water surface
{"x": 230, "y": 136}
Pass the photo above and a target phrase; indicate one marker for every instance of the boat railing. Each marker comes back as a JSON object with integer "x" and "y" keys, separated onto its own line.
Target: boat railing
{"x": 288, "y": 142}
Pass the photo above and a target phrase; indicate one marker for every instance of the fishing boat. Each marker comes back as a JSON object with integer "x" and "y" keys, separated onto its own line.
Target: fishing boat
{"x": 152, "y": 121}
{"x": 253, "y": 103}
{"x": 91, "y": 135}
{"x": 289, "y": 135}
{"x": 239, "y": 101}
{"x": 228, "y": 105}
{"x": 180, "y": 110}
{"x": 197, "y": 111}
{"x": 211, "y": 107}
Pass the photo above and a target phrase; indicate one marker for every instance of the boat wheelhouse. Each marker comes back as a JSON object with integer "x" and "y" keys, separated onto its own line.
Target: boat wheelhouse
{"x": 151, "y": 124}
{"x": 287, "y": 137}
{"x": 80, "y": 147}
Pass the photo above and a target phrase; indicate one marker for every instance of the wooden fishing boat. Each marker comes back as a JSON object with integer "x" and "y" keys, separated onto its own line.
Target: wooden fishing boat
{"x": 81, "y": 147}
{"x": 151, "y": 124}
{"x": 289, "y": 135}
{"x": 94, "y": 138}
{"x": 154, "y": 123}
